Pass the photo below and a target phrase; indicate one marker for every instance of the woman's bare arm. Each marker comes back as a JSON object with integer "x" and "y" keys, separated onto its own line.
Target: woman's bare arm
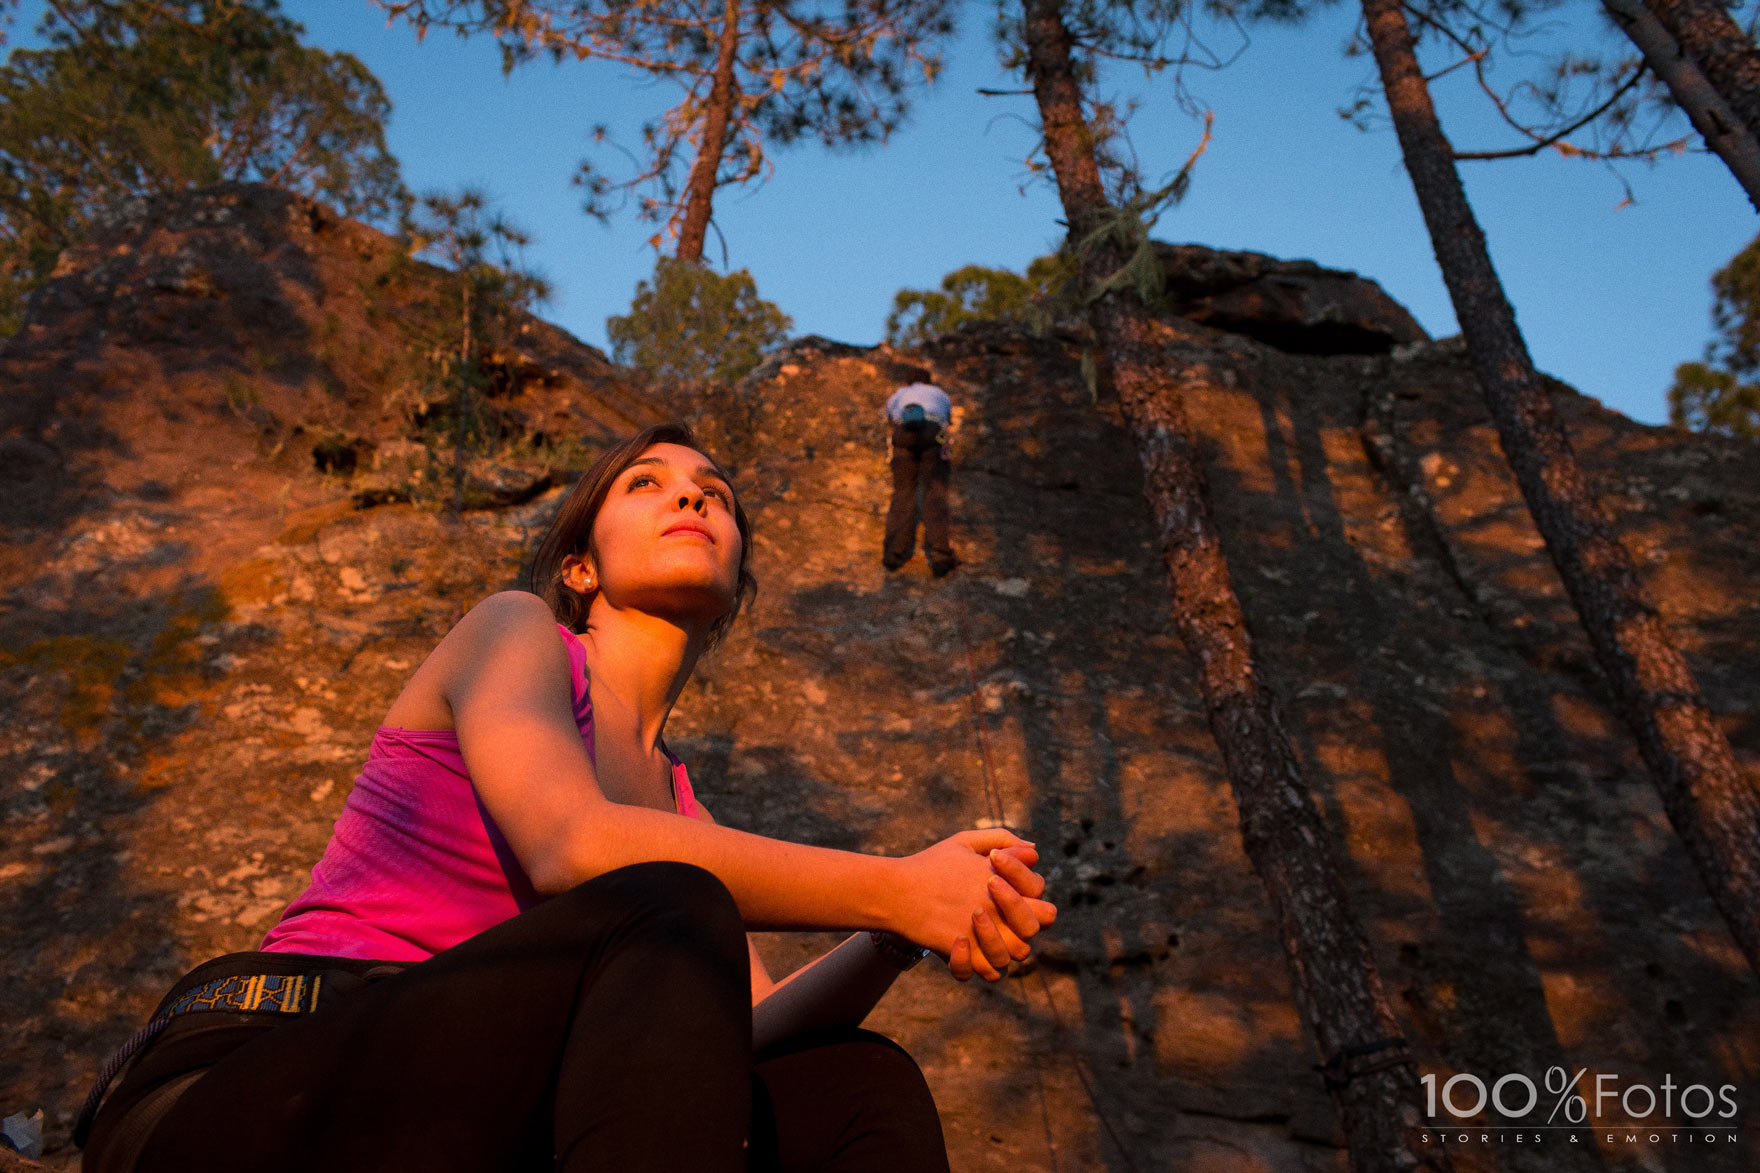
{"x": 838, "y": 988}
{"x": 843, "y": 985}
{"x": 504, "y": 673}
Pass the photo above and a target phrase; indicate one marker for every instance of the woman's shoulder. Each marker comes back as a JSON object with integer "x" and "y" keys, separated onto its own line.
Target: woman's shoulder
{"x": 504, "y": 618}
{"x": 509, "y": 629}
{"x": 511, "y": 608}
{"x": 509, "y": 625}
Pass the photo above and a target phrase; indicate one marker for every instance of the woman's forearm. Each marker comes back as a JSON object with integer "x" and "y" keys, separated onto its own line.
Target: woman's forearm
{"x": 777, "y": 885}
{"x": 837, "y": 989}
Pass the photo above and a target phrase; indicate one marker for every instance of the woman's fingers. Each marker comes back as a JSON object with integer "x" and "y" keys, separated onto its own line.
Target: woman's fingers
{"x": 988, "y": 839}
{"x": 1018, "y": 949}
{"x": 1018, "y": 872}
{"x": 1006, "y": 916}
{"x": 996, "y": 946}
{"x": 1017, "y": 913}
{"x": 959, "y": 962}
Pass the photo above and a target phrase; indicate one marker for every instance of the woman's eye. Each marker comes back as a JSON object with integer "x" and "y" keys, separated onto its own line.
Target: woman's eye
{"x": 640, "y": 479}
{"x": 719, "y": 494}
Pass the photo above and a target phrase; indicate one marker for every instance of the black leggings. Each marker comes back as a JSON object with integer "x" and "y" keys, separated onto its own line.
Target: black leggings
{"x": 607, "y": 1029}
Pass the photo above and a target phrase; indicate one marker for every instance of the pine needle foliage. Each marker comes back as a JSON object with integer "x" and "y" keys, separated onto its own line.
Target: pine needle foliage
{"x": 1036, "y": 302}
{"x": 690, "y": 324}
{"x": 1722, "y": 393}
{"x": 145, "y": 97}
{"x": 466, "y": 329}
{"x": 751, "y": 75}
{"x": 1126, "y": 228}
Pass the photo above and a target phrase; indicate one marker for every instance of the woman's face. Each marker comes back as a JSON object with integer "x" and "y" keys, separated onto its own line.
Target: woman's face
{"x": 665, "y": 540}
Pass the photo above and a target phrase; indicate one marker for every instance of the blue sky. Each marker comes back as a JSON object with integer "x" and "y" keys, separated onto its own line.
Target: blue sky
{"x": 1610, "y": 298}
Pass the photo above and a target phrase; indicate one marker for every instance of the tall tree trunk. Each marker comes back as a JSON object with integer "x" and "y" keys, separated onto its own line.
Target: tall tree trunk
{"x": 700, "y": 190}
{"x": 1736, "y": 142}
{"x": 1709, "y": 35}
{"x": 1338, "y": 989}
{"x": 1714, "y": 806}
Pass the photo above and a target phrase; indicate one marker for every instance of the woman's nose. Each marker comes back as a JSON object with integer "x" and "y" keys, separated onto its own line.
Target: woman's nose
{"x": 691, "y": 500}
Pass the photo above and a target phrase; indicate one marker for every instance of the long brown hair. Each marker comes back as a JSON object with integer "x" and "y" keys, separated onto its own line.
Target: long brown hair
{"x": 571, "y": 531}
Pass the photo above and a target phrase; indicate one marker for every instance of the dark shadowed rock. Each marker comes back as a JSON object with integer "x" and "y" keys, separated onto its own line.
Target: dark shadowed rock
{"x": 1294, "y": 306}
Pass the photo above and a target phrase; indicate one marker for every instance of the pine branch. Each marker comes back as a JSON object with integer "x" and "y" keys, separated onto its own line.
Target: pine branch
{"x": 1557, "y": 139}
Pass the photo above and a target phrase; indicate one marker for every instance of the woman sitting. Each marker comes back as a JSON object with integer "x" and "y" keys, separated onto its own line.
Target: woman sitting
{"x": 525, "y": 944}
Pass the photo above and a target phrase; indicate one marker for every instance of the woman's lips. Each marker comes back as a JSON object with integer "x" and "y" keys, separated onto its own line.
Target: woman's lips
{"x": 689, "y": 529}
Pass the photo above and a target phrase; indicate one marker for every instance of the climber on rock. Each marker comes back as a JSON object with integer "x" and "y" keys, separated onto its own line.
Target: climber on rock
{"x": 525, "y": 946}
{"x": 919, "y": 416}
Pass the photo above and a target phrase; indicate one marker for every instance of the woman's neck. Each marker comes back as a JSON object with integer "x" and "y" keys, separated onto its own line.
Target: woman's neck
{"x": 641, "y": 662}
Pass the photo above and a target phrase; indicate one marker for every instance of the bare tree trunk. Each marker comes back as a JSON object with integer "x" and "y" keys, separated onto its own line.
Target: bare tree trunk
{"x": 1715, "y": 808}
{"x": 1338, "y": 989}
{"x": 1708, "y": 34}
{"x": 700, "y": 190}
{"x": 1735, "y": 141}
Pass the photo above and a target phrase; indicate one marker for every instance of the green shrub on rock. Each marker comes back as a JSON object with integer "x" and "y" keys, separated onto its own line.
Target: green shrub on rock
{"x": 689, "y": 323}
{"x": 1042, "y": 298}
{"x": 1722, "y": 394}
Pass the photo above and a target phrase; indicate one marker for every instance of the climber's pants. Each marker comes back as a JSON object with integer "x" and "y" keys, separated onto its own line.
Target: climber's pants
{"x": 918, "y": 458}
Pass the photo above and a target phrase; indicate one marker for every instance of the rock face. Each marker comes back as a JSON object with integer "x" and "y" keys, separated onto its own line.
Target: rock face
{"x": 276, "y": 331}
{"x": 177, "y": 741}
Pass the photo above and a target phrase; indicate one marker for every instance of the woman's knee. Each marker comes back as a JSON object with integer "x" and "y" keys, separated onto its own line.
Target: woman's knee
{"x": 670, "y": 899}
{"x": 891, "y": 1067}
{"x": 867, "y": 1065}
{"x": 847, "y": 1098}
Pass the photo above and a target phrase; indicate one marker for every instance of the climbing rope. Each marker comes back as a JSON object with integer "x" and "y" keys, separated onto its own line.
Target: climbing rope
{"x": 992, "y": 796}
{"x": 1082, "y": 1071}
{"x": 996, "y": 808}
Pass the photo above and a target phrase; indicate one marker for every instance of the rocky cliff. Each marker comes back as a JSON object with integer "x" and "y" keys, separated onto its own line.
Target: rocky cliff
{"x": 221, "y": 563}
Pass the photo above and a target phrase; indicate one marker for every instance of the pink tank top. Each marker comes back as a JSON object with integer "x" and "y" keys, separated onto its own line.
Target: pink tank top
{"x": 415, "y": 864}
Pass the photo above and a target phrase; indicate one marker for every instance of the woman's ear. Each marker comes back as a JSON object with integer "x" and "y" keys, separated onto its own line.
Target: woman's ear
{"x": 578, "y": 574}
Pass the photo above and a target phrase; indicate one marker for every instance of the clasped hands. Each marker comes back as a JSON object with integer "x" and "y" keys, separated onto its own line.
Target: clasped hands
{"x": 976, "y": 900}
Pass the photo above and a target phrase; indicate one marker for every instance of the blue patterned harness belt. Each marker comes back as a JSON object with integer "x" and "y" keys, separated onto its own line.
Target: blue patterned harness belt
{"x": 259, "y": 993}
{"x": 240, "y": 993}
{"x": 272, "y": 993}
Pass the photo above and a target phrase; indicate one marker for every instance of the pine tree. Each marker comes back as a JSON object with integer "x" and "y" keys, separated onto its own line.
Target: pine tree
{"x": 1337, "y": 985}
{"x": 1725, "y": 53}
{"x": 1579, "y": 101}
{"x": 143, "y": 97}
{"x": 690, "y": 324}
{"x": 1713, "y": 804}
{"x": 1036, "y": 301}
{"x": 1722, "y": 393}
{"x": 1730, "y": 130}
{"x": 470, "y": 321}
{"x": 754, "y": 73}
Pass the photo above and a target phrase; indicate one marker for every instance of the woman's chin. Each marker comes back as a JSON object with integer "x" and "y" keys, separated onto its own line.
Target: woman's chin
{"x": 691, "y": 604}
